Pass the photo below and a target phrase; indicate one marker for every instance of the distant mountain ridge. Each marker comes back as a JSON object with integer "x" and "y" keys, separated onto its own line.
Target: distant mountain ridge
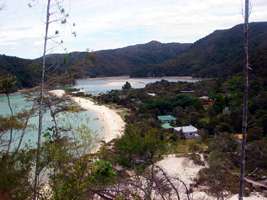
{"x": 113, "y": 62}
{"x": 121, "y": 61}
{"x": 220, "y": 54}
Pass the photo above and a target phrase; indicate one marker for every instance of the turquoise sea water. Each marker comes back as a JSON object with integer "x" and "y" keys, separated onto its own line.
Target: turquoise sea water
{"x": 66, "y": 120}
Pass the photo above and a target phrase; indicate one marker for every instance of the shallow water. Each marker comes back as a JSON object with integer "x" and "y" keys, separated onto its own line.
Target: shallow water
{"x": 68, "y": 120}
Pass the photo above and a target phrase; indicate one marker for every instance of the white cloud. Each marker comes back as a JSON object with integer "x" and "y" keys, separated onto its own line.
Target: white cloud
{"x": 106, "y": 24}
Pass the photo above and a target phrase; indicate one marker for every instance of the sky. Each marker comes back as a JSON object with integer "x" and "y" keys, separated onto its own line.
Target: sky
{"x": 107, "y": 24}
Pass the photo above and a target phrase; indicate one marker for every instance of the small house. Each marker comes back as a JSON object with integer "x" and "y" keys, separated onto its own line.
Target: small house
{"x": 166, "y": 118}
{"x": 166, "y": 121}
{"x": 189, "y": 132}
{"x": 166, "y": 126}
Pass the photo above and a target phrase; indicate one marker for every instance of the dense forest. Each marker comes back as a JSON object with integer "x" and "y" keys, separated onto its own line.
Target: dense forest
{"x": 220, "y": 54}
{"x": 115, "y": 62}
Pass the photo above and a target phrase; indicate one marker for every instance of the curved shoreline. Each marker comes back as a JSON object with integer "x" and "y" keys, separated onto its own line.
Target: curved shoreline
{"x": 113, "y": 124}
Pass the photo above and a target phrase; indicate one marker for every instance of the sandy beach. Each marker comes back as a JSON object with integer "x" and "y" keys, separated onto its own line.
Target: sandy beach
{"x": 113, "y": 124}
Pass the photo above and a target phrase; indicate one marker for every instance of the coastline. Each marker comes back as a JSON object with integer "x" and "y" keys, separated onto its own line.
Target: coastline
{"x": 113, "y": 124}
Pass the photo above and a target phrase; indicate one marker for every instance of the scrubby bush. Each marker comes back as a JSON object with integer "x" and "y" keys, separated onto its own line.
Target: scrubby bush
{"x": 136, "y": 146}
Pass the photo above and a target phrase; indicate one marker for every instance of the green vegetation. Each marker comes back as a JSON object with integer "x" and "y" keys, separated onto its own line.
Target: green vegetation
{"x": 14, "y": 175}
{"x": 7, "y": 84}
{"x": 138, "y": 145}
{"x": 219, "y": 121}
{"x": 75, "y": 174}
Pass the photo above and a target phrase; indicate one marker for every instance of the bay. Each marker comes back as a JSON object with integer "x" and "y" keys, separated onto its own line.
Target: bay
{"x": 86, "y": 119}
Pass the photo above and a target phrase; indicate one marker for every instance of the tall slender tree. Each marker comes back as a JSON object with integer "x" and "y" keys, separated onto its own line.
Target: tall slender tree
{"x": 40, "y": 115}
{"x": 245, "y": 103}
{"x": 54, "y": 8}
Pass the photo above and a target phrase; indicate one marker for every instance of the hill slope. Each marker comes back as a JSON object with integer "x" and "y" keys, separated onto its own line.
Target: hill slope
{"x": 18, "y": 67}
{"x": 122, "y": 61}
{"x": 220, "y": 54}
{"x": 114, "y": 62}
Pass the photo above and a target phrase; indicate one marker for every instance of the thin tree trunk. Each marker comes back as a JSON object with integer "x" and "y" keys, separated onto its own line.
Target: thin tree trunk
{"x": 22, "y": 134}
{"x": 53, "y": 115}
{"x": 36, "y": 176}
{"x": 11, "y": 130}
{"x": 245, "y": 104}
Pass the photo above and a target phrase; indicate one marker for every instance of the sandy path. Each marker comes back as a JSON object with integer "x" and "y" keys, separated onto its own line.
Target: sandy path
{"x": 187, "y": 171}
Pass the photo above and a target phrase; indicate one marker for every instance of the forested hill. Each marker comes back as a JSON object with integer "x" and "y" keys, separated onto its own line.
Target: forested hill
{"x": 220, "y": 54}
{"x": 127, "y": 60}
{"x": 18, "y": 67}
{"x": 114, "y": 62}
{"x": 122, "y": 61}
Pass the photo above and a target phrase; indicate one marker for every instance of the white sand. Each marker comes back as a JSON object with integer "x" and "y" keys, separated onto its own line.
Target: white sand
{"x": 187, "y": 171}
{"x": 181, "y": 167}
{"x": 184, "y": 169}
{"x": 58, "y": 93}
{"x": 112, "y": 121}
